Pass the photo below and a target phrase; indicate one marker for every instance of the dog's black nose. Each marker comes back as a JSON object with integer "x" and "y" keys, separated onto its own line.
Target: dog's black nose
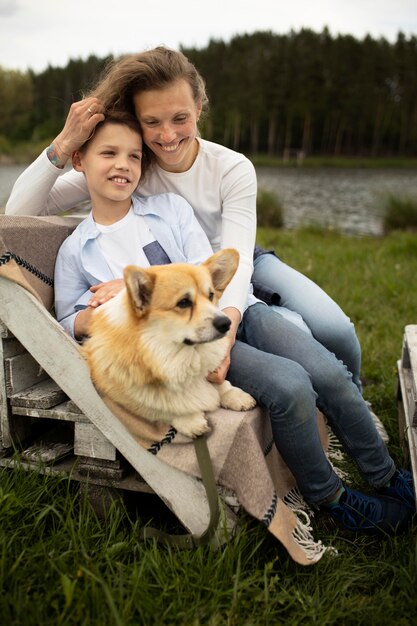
{"x": 222, "y": 323}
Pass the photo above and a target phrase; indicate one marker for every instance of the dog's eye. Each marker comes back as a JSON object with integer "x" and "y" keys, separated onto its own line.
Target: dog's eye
{"x": 185, "y": 303}
{"x": 211, "y": 296}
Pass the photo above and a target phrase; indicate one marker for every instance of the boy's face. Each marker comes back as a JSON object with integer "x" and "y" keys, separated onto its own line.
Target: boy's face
{"x": 111, "y": 163}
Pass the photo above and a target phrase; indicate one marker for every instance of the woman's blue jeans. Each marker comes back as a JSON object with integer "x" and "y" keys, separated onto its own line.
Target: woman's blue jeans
{"x": 290, "y": 373}
{"x": 307, "y": 305}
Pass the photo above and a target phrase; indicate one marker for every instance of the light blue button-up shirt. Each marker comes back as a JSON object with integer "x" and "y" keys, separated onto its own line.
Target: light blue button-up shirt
{"x": 80, "y": 262}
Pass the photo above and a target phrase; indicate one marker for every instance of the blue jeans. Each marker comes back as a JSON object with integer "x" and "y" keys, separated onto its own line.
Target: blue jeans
{"x": 290, "y": 373}
{"x": 325, "y": 319}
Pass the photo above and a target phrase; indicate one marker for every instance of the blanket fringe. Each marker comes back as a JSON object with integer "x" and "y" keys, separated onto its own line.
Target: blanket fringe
{"x": 335, "y": 450}
{"x": 336, "y": 455}
{"x": 303, "y": 532}
{"x": 295, "y": 501}
{"x": 303, "y": 536}
{"x": 378, "y": 424}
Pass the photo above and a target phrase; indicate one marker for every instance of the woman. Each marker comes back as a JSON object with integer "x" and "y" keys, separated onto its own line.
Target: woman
{"x": 282, "y": 356}
{"x": 168, "y": 96}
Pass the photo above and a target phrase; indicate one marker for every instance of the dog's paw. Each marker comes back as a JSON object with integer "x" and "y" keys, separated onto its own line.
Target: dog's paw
{"x": 192, "y": 425}
{"x": 237, "y": 400}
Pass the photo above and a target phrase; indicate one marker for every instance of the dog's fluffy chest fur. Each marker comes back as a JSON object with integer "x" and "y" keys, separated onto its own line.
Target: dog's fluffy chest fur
{"x": 150, "y": 376}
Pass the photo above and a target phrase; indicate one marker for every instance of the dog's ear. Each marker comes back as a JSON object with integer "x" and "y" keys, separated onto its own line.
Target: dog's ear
{"x": 140, "y": 285}
{"x": 222, "y": 267}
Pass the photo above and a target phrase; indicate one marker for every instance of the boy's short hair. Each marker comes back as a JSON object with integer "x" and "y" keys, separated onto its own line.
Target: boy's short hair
{"x": 125, "y": 119}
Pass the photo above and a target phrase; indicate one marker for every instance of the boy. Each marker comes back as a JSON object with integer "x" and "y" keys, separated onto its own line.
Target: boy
{"x": 122, "y": 228}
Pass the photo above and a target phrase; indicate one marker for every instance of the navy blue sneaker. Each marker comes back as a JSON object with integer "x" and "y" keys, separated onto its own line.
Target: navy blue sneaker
{"x": 401, "y": 487}
{"x": 360, "y": 512}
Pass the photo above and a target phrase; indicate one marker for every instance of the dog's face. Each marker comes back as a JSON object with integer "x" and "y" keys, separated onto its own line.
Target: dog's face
{"x": 180, "y": 300}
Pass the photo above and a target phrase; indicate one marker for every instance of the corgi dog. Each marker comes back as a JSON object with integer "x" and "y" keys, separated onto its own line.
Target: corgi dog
{"x": 151, "y": 347}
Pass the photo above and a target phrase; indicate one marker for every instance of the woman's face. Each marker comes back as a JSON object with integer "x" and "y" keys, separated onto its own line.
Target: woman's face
{"x": 168, "y": 118}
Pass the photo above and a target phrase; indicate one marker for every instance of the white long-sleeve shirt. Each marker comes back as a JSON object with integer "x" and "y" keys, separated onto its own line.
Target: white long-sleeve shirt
{"x": 220, "y": 186}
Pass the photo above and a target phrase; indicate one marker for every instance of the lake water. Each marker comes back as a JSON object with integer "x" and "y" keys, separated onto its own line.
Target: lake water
{"x": 350, "y": 200}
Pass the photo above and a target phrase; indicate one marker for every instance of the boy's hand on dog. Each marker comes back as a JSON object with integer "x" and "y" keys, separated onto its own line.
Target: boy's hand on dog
{"x": 105, "y": 291}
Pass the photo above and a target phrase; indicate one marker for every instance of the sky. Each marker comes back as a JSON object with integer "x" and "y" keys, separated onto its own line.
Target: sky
{"x": 38, "y": 33}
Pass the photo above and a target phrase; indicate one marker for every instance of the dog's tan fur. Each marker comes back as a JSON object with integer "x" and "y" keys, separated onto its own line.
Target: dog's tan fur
{"x": 151, "y": 347}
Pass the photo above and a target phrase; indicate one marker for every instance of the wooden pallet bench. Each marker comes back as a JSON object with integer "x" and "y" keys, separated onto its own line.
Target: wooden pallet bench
{"x": 60, "y": 425}
{"x": 51, "y": 417}
{"x": 49, "y": 430}
{"x": 407, "y": 396}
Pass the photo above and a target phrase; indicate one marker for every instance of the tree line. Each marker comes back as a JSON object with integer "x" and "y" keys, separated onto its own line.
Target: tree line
{"x": 305, "y": 92}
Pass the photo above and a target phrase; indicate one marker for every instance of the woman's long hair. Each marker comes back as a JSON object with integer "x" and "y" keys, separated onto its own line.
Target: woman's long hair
{"x": 153, "y": 69}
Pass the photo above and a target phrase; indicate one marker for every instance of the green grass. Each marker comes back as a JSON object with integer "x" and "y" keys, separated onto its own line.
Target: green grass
{"x": 269, "y": 209}
{"x": 21, "y": 153}
{"x": 400, "y": 213}
{"x": 61, "y": 565}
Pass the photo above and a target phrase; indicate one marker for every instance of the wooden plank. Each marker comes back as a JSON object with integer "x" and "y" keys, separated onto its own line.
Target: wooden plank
{"x": 102, "y": 468}
{"x": 59, "y": 412}
{"x": 12, "y": 430}
{"x": 60, "y": 357}
{"x": 405, "y": 358}
{"x": 43, "y": 395}
{"x": 408, "y": 431}
{"x": 68, "y": 467}
{"x": 72, "y": 407}
{"x": 4, "y": 405}
{"x": 110, "y": 472}
{"x": 4, "y": 331}
{"x": 406, "y": 389}
{"x": 90, "y": 441}
{"x": 119, "y": 463}
{"x": 22, "y": 371}
{"x": 12, "y": 347}
{"x": 46, "y": 452}
{"x": 410, "y": 340}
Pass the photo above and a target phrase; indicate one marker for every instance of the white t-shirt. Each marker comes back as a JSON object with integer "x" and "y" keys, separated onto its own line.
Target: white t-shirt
{"x": 122, "y": 243}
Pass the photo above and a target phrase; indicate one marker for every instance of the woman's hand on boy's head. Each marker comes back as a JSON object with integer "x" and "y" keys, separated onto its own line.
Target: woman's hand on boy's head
{"x": 105, "y": 291}
{"x": 82, "y": 118}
